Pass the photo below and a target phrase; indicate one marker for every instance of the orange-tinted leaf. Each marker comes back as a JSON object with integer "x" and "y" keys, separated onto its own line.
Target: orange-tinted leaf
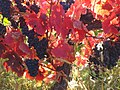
{"x": 6, "y": 66}
{"x": 108, "y": 24}
{"x": 77, "y": 9}
{"x": 80, "y": 61}
{"x": 27, "y": 75}
{"x": 39, "y": 77}
{"x": 57, "y": 63}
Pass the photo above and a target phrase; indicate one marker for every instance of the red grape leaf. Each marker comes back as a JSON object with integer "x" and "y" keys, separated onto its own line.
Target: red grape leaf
{"x": 2, "y": 49}
{"x": 113, "y": 30}
{"x": 108, "y": 27}
{"x": 39, "y": 24}
{"x": 107, "y": 6}
{"x": 24, "y": 48}
{"x": 77, "y": 9}
{"x": 58, "y": 20}
{"x": 9, "y": 40}
{"x": 68, "y": 23}
{"x": 105, "y": 25}
{"x": 79, "y": 31}
{"x": 15, "y": 63}
{"x": 63, "y": 51}
{"x": 44, "y": 5}
{"x": 15, "y": 41}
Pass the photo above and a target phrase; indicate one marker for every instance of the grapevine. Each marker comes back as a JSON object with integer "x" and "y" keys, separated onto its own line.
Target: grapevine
{"x": 42, "y": 39}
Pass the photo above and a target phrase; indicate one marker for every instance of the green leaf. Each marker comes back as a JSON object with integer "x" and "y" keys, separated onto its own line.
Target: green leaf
{"x": 6, "y": 22}
{"x": 96, "y": 32}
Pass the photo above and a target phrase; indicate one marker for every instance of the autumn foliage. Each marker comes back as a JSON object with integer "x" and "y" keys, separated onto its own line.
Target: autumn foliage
{"x": 67, "y": 36}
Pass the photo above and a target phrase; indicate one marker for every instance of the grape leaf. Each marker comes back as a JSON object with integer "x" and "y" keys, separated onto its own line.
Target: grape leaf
{"x": 38, "y": 23}
{"x": 15, "y": 63}
{"x": 2, "y": 49}
{"x": 15, "y": 41}
{"x": 64, "y": 51}
{"x": 76, "y": 10}
{"x": 24, "y": 48}
{"x": 107, "y": 26}
{"x": 58, "y": 20}
{"x": 107, "y": 6}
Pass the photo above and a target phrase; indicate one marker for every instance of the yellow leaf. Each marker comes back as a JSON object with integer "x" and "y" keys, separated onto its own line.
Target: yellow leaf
{"x": 6, "y": 22}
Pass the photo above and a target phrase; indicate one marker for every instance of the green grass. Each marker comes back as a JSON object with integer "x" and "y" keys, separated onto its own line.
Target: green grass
{"x": 109, "y": 80}
{"x": 81, "y": 80}
{"x": 10, "y": 81}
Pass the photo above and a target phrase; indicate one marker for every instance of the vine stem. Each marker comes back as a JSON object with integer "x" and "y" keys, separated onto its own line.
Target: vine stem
{"x": 90, "y": 35}
{"x": 47, "y": 67}
{"x": 95, "y": 37}
{"x": 63, "y": 60}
